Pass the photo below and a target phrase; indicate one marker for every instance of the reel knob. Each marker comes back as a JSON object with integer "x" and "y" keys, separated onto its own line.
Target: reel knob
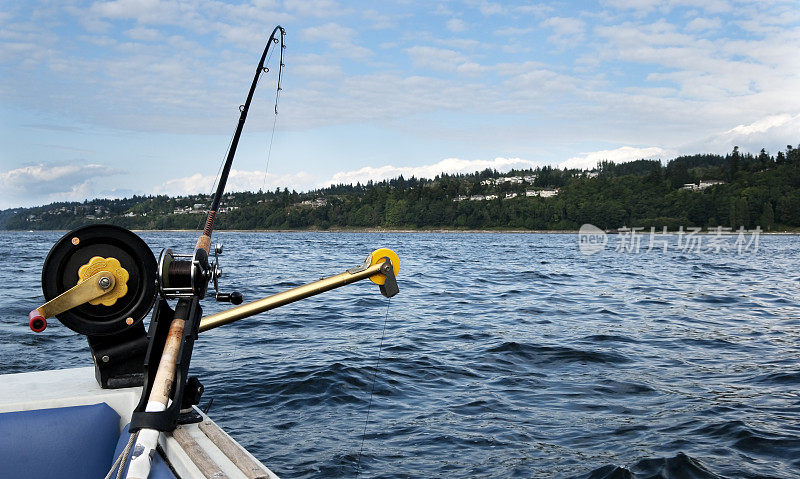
{"x": 233, "y": 297}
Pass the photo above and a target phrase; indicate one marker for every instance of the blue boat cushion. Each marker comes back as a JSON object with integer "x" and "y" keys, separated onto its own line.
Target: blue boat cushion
{"x": 158, "y": 468}
{"x": 69, "y": 442}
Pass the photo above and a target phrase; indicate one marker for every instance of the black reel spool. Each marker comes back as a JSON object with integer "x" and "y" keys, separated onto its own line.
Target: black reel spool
{"x": 184, "y": 276}
{"x": 116, "y": 333}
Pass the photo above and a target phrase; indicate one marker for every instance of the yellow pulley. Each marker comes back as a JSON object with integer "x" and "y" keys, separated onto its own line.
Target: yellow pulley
{"x": 378, "y": 257}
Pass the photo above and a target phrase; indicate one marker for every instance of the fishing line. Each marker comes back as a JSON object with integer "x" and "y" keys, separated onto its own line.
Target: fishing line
{"x": 269, "y": 149}
{"x": 372, "y": 389}
{"x": 275, "y": 117}
{"x": 216, "y": 178}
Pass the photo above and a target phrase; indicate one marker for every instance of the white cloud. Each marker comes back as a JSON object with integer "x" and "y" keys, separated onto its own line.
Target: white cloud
{"x": 316, "y": 67}
{"x": 567, "y": 32}
{"x": 447, "y": 165}
{"x": 539, "y": 84}
{"x": 44, "y": 183}
{"x": 716, "y": 79}
{"x": 378, "y": 97}
{"x": 456, "y": 25}
{"x": 620, "y": 155}
{"x": 765, "y": 124}
{"x": 701, "y": 24}
{"x": 638, "y": 5}
{"x": 55, "y": 178}
{"x": 537, "y": 10}
{"x": 340, "y": 39}
{"x": 642, "y": 7}
{"x": 490, "y": 8}
{"x": 462, "y": 43}
{"x": 565, "y": 25}
{"x": 513, "y": 31}
{"x": 316, "y": 8}
{"x": 143, "y": 11}
{"x": 238, "y": 180}
{"x": 144, "y": 34}
{"x": 378, "y": 20}
{"x": 442, "y": 10}
{"x": 770, "y": 52}
{"x": 435, "y": 58}
{"x": 772, "y": 132}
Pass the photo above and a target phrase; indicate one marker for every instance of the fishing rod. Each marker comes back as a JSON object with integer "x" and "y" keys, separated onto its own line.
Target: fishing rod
{"x": 187, "y": 281}
{"x": 204, "y": 242}
{"x": 103, "y": 280}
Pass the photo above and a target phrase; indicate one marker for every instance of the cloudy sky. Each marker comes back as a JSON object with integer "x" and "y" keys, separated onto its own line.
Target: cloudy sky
{"x": 112, "y": 98}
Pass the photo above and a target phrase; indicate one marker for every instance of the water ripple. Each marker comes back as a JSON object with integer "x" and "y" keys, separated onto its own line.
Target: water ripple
{"x": 618, "y": 365}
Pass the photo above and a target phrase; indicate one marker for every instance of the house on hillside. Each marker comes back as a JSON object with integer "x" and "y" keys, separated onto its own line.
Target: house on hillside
{"x": 702, "y": 185}
{"x": 315, "y": 203}
{"x": 545, "y": 193}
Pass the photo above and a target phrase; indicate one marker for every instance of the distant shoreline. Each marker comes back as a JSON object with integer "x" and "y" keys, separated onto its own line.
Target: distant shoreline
{"x": 421, "y": 231}
{"x": 332, "y": 230}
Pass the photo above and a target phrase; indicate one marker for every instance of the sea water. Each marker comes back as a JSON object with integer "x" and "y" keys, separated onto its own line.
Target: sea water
{"x": 505, "y": 355}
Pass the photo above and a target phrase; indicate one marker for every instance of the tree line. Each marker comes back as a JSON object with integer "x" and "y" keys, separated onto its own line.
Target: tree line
{"x": 750, "y": 190}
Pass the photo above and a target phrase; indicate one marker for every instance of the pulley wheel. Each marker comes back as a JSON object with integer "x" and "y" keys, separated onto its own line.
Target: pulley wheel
{"x": 77, "y": 248}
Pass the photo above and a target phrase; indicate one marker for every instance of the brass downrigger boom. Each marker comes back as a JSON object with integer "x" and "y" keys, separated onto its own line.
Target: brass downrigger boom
{"x": 381, "y": 267}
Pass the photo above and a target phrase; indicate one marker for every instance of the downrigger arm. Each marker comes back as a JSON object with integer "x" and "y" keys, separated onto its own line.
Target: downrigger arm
{"x": 102, "y": 280}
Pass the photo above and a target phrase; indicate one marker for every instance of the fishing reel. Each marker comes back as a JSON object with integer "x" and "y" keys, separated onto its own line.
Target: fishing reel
{"x": 100, "y": 281}
{"x": 125, "y": 271}
{"x": 187, "y": 276}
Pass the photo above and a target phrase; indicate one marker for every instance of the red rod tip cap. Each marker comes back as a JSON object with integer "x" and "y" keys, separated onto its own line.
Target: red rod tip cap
{"x": 37, "y": 321}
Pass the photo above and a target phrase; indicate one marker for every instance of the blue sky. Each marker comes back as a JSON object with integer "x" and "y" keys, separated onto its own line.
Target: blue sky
{"x": 112, "y": 98}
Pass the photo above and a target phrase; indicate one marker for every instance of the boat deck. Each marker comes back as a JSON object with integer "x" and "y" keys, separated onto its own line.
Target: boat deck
{"x": 77, "y": 387}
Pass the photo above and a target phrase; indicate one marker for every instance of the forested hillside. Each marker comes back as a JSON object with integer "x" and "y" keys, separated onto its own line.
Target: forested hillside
{"x": 738, "y": 189}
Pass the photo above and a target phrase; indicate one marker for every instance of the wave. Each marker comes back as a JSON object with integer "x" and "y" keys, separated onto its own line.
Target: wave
{"x": 680, "y": 466}
{"x": 556, "y": 354}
